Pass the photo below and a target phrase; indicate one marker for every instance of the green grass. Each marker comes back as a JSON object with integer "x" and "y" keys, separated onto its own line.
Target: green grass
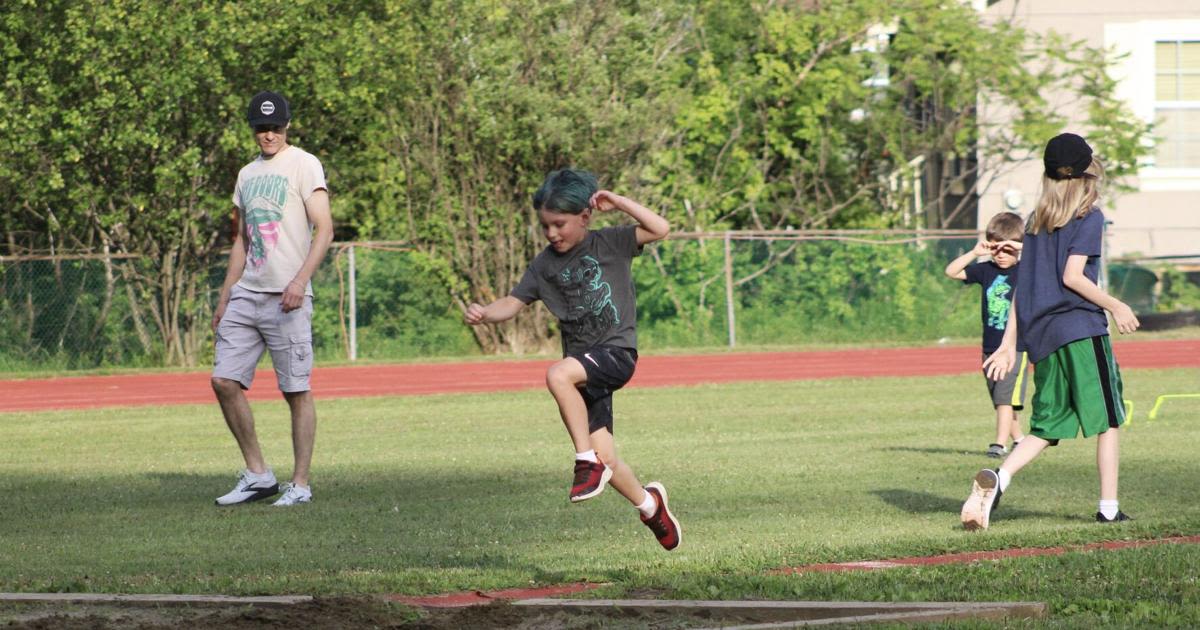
{"x": 446, "y": 493}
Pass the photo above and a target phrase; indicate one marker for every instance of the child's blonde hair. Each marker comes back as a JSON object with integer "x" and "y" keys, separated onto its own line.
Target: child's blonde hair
{"x": 1066, "y": 199}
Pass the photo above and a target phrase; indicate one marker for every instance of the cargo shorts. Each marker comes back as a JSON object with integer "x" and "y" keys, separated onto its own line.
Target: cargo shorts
{"x": 254, "y": 322}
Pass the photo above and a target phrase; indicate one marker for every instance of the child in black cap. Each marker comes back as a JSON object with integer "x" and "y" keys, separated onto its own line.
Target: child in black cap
{"x": 1060, "y": 323}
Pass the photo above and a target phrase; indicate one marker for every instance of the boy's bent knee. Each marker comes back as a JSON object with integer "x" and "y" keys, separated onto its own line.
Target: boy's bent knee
{"x": 565, "y": 373}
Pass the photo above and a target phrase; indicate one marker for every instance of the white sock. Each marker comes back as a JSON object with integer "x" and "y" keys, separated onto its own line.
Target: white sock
{"x": 649, "y": 506}
{"x": 587, "y": 456}
{"x": 262, "y": 476}
{"x": 1005, "y": 478}
{"x": 1108, "y": 509}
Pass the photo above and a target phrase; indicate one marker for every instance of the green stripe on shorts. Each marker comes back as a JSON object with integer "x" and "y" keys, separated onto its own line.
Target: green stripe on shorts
{"x": 1077, "y": 387}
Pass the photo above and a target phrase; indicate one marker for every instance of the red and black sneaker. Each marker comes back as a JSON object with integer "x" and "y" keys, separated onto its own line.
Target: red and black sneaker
{"x": 590, "y": 478}
{"x": 666, "y": 529}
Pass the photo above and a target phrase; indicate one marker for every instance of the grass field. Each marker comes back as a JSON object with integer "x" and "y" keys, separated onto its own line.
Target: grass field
{"x": 447, "y": 493}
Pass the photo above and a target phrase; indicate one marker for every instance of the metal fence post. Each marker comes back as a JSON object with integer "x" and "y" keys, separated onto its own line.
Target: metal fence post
{"x": 729, "y": 317}
{"x": 353, "y": 310}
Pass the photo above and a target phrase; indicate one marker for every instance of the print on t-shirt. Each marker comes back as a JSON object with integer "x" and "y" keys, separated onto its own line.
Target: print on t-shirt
{"x": 263, "y": 198}
{"x": 998, "y": 302}
{"x": 588, "y": 298}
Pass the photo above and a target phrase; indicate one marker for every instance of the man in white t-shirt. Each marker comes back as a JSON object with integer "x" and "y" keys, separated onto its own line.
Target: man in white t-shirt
{"x": 266, "y": 301}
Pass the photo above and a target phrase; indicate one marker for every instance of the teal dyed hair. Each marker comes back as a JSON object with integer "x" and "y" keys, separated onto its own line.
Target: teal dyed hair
{"x": 566, "y": 191}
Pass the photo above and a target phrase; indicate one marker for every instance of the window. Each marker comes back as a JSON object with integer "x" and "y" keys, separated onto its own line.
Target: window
{"x": 1177, "y": 103}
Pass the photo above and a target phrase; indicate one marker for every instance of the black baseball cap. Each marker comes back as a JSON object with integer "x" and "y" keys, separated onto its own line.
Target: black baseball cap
{"x": 268, "y": 108}
{"x": 1067, "y": 157}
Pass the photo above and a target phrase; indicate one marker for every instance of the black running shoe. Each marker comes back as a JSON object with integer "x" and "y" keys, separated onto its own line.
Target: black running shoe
{"x": 1121, "y": 517}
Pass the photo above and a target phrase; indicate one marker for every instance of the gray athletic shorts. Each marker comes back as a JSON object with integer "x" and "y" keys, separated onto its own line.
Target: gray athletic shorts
{"x": 254, "y": 322}
{"x": 1011, "y": 390}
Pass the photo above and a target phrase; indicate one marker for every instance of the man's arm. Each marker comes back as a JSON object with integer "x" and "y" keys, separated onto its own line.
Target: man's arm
{"x": 1074, "y": 280}
{"x": 500, "y": 310}
{"x": 237, "y": 264}
{"x": 651, "y": 226}
{"x": 317, "y": 209}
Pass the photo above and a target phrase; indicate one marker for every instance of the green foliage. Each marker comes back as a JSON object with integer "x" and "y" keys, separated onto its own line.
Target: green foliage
{"x": 802, "y": 114}
{"x": 60, "y": 314}
{"x": 436, "y": 119}
{"x": 811, "y": 292}
{"x": 403, "y": 309}
{"x": 130, "y": 120}
{"x": 1179, "y": 293}
{"x": 480, "y": 104}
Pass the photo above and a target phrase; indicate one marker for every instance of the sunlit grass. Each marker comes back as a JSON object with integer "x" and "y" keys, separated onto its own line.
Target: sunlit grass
{"x": 445, "y": 493}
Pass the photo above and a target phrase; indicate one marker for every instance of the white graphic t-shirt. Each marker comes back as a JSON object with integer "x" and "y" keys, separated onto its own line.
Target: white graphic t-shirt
{"x": 270, "y": 195}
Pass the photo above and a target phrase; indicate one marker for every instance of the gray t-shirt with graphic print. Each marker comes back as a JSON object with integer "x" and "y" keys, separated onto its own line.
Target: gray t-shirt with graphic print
{"x": 589, "y": 289}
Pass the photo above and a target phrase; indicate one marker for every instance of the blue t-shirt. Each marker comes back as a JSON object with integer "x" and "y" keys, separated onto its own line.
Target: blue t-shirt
{"x": 1049, "y": 315}
{"x": 996, "y": 300}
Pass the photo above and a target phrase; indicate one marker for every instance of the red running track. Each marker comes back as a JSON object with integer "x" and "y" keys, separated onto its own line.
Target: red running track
{"x": 478, "y": 598}
{"x": 83, "y": 392}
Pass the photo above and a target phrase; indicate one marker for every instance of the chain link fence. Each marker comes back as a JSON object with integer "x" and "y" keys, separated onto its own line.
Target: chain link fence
{"x": 381, "y": 301}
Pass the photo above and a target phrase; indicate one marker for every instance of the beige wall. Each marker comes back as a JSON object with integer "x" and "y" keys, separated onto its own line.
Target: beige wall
{"x": 1163, "y": 217}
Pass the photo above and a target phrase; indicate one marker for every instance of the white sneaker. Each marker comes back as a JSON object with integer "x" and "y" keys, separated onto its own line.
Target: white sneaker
{"x": 294, "y": 495}
{"x": 251, "y": 487}
{"x": 985, "y": 496}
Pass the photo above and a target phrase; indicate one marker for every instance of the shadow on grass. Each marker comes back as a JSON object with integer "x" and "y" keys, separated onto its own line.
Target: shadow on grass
{"x": 927, "y": 503}
{"x": 933, "y": 451}
{"x": 361, "y": 523}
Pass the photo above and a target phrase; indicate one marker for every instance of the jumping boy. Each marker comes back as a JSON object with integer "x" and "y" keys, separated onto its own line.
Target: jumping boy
{"x": 584, "y": 277}
{"x": 998, "y": 278}
{"x": 1061, "y": 324}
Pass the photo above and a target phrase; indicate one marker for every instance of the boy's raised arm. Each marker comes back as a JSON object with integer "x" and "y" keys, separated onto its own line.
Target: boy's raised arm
{"x": 956, "y": 270}
{"x": 651, "y": 226}
{"x": 501, "y": 310}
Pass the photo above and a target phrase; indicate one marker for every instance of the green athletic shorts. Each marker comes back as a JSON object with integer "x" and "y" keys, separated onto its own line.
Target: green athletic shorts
{"x": 1077, "y": 387}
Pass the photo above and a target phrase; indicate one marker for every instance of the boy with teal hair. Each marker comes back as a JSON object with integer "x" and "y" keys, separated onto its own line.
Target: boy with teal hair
{"x": 585, "y": 278}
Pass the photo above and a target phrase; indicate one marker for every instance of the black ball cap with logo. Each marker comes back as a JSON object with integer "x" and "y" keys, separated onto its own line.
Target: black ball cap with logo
{"x": 268, "y": 108}
{"x": 1067, "y": 157}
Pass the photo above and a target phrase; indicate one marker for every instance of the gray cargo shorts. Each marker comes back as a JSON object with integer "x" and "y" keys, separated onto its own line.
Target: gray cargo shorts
{"x": 254, "y": 322}
{"x": 1011, "y": 390}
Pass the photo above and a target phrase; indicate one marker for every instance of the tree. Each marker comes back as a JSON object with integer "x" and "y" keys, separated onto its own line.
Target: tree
{"x": 477, "y": 101}
{"x": 122, "y": 129}
{"x": 128, "y": 118}
{"x": 814, "y": 114}
{"x": 801, "y": 111}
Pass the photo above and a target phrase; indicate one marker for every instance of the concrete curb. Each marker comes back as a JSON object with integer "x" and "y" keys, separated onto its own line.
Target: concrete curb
{"x": 481, "y": 598}
{"x": 152, "y": 600}
{"x": 783, "y": 614}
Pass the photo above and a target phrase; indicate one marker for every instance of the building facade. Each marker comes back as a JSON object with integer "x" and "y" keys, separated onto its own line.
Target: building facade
{"x": 1156, "y": 48}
